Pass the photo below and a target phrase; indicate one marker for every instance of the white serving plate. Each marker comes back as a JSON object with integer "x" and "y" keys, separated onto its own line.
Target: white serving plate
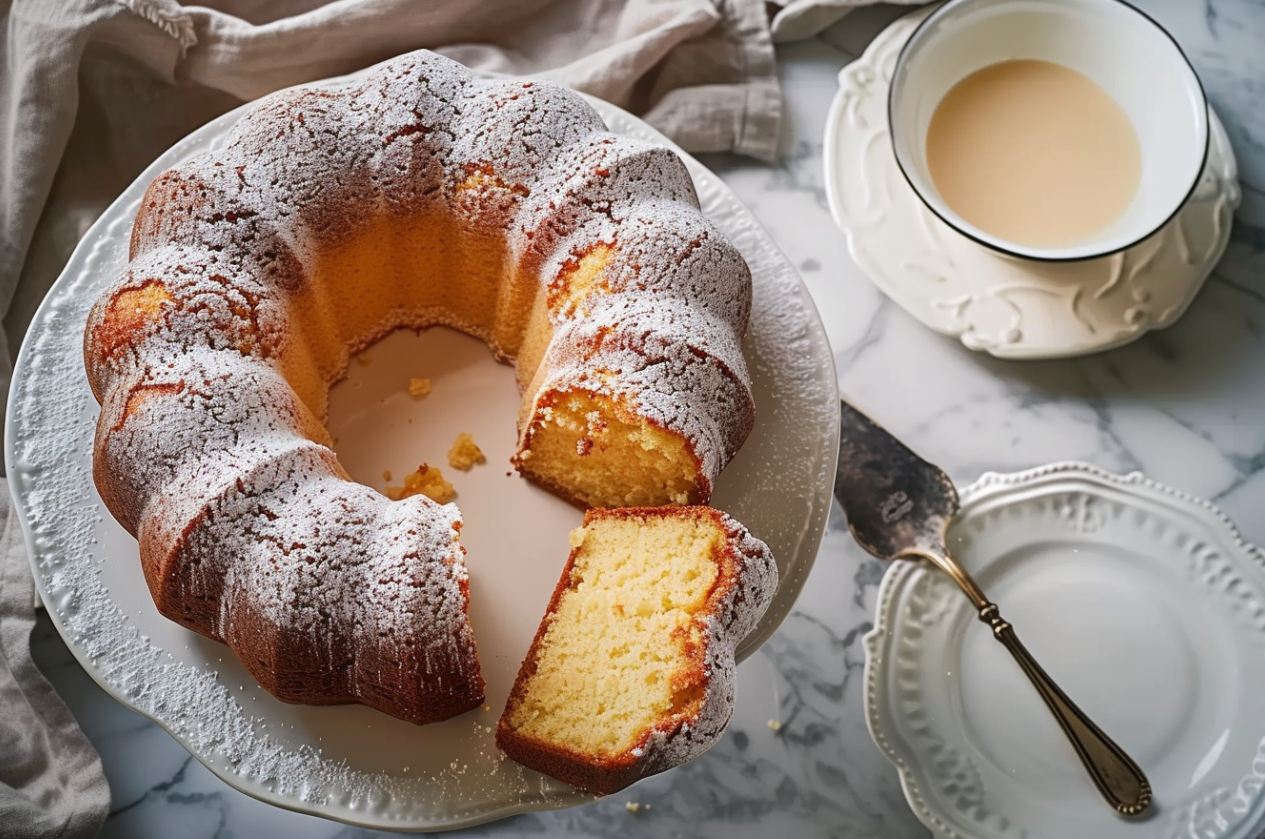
{"x": 1005, "y": 306}
{"x": 1148, "y": 609}
{"x": 348, "y": 762}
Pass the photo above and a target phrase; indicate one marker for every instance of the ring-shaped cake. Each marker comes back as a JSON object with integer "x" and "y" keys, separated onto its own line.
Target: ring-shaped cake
{"x": 417, "y": 196}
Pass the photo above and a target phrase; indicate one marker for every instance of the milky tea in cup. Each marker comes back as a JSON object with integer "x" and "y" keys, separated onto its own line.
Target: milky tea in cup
{"x": 1047, "y": 129}
{"x": 1034, "y": 153}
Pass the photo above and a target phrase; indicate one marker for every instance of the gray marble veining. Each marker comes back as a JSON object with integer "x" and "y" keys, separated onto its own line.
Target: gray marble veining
{"x": 1185, "y": 405}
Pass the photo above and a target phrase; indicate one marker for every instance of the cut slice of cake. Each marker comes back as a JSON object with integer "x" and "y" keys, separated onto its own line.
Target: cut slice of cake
{"x": 632, "y": 669}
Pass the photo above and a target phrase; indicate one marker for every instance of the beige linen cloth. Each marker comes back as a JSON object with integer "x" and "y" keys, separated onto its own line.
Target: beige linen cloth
{"x": 91, "y": 91}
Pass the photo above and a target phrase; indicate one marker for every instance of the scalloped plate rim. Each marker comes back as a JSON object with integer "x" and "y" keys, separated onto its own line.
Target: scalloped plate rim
{"x": 1015, "y": 351}
{"x": 992, "y": 486}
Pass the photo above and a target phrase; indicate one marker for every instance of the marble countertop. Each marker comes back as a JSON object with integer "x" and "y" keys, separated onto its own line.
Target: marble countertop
{"x": 1185, "y": 405}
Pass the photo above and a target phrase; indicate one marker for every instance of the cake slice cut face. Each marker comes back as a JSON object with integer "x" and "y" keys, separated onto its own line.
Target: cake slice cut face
{"x": 592, "y": 450}
{"x": 632, "y": 669}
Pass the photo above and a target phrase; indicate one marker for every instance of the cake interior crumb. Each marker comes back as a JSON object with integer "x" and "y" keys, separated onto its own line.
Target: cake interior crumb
{"x": 618, "y": 655}
{"x": 583, "y": 443}
{"x": 418, "y": 388}
{"x": 465, "y": 453}
{"x": 428, "y": 481}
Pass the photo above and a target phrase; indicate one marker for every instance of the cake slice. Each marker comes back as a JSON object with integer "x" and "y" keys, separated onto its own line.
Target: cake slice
{"x": 632, "y": 669}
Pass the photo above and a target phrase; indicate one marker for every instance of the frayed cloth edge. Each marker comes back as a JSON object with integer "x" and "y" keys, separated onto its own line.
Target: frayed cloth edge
{"x": 168, "y": 17}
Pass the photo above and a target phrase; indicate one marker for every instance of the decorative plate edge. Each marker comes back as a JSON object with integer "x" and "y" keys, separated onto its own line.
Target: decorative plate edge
{"x": 1229, "y": 197}
{"x": 896, "y": 578}
{"x": 876, "y": 647}
{"x": 993, "y": 483}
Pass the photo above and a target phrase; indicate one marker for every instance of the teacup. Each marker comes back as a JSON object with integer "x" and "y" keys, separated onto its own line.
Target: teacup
{"x": 1114, "y": 45}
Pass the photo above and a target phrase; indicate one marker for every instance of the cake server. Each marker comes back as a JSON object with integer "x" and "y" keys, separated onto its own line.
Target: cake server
{"x": 899, "y": 506}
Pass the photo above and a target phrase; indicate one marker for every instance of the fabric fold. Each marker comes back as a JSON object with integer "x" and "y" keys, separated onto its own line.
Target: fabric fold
{"x": 51, "y": 781}
{"x": 126, "y": 78}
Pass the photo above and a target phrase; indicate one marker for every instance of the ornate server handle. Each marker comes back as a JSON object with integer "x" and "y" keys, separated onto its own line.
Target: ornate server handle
{"x": 1115, "y": 774}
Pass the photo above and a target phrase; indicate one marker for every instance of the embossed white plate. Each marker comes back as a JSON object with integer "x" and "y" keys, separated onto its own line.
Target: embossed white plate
{"x": 1008, "y": 307}
{"x": 1144, "y": 604}
{"x": 348, "y": 762}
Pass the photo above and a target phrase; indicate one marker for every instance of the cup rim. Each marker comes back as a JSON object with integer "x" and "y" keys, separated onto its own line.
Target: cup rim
{"x": 1012, "y": 249}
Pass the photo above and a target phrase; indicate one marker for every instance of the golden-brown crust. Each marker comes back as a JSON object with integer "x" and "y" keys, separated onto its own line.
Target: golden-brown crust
{"x": 586, "y": 772}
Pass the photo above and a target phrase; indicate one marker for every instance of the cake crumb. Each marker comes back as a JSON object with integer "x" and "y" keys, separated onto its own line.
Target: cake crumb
{"x": 419, "y": 388}
{"x": 632, "y": 806}
{"x": 428, "y": 481}
{"x": 386, "y": 475}
{"x": 774, "y": 725}
{"x": 464, "y": 453}
{"x": 364, "y": 360}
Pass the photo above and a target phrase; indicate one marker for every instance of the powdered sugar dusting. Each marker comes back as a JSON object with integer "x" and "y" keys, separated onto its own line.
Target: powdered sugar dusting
{"x": 679, "y": 367}
{"x": 778, "y": 485}
{"x": 200, "y": 442}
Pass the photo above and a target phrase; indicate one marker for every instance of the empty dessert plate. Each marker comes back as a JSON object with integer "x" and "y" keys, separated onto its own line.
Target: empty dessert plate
{"x": 1143, "y": 603}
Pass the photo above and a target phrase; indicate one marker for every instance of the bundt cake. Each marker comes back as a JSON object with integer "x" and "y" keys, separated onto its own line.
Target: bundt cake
{"x": 632, "y": 669}
{"x": 414, "y": 196}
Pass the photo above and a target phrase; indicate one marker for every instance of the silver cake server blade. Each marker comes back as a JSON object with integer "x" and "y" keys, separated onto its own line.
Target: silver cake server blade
{"x": 899, "y": 506}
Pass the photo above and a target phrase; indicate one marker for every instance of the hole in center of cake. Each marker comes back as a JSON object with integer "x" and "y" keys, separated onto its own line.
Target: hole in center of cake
{"x": 515, "y": 533}
{"x": 408, "y": 397}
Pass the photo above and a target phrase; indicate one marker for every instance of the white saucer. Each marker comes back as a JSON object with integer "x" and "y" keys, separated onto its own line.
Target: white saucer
{"x": 1008, "y": 307}
{"x": 1144, "y": 604}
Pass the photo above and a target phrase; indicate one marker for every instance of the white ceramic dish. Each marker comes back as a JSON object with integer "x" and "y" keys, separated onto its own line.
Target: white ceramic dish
{"x": 348, "y": 762}
{"x": 1118, "y": 47}
{"x": 1008, "y": 307}
{"x": 1144, "y": 604}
